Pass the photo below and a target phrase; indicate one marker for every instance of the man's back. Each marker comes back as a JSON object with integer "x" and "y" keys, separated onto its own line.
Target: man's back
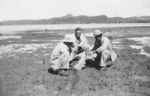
{"x": 106, "y": 41}
{"x": 58, "y": 50}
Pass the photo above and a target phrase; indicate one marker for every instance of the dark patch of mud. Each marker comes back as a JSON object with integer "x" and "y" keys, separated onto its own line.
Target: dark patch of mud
{"x": 147, "y": 49}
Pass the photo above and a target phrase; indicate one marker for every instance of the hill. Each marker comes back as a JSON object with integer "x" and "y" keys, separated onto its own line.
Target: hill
{"x": 82, "y": 19}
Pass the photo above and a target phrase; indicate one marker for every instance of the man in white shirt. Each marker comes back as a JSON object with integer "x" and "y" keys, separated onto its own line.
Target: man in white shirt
{"x": 102, "y": 50}
{"x": 81, "y": 42}
{"x": 81, "y": 48}
{"x": 61, "y": 55}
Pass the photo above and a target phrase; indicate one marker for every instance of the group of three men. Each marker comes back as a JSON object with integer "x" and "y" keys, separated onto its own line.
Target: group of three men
{"x": 75, "y": 46}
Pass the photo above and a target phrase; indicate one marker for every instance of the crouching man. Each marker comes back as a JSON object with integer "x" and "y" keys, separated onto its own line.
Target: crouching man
{"x": 61, "y": 55}
{"x": 81, "y": 48}
{"x": 102, "y": 50}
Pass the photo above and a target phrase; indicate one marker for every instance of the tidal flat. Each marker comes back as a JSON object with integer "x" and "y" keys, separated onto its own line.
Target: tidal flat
{"x": 24, "y": 64}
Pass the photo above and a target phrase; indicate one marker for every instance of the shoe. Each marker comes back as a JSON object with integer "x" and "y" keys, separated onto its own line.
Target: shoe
{"x": 63, "y": 72}
{"x": 103, "y": 68}
{"x": 52, "y": 71}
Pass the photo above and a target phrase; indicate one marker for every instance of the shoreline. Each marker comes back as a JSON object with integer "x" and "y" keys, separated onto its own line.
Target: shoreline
{"x": 69, "y": 27}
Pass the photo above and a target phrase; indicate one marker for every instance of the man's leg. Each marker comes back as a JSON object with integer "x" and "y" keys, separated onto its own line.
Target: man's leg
{"x": 81, "y": 62}
{"x": 105, "y": 55}
{"x": 87, "y": 49}
{"x": 61, "y": 62}
{"x": 65, "y": 61}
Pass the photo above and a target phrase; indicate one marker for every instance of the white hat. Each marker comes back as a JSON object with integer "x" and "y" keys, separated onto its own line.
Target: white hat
{"x": 97, "y": 32}
{"x": 68, "y": 38}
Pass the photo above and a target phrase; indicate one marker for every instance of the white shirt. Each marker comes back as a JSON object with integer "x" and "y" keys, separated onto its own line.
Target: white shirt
{"x": 61, "y": 48}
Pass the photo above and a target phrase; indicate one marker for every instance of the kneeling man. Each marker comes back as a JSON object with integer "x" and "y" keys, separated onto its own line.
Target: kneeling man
{"x": 61, "y": 54}
{"x": 102, "y": 50}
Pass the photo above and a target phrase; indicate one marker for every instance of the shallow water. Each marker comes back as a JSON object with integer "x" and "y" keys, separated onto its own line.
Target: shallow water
{"x": 142, "y": 51}
{"x": 136, "y": 47}
{"x": 142, "y": 40}
{"x": 119, "y": 47}
{"x": 116, "y": 42}
{"x": 145, "y": 41}
{"x": 16, "y": 28}
{"x": 10, "y": 36}
{"x": 22, "y": 48}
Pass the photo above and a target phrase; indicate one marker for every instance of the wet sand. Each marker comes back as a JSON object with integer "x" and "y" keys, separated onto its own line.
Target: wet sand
{"x": 24, "y": 62}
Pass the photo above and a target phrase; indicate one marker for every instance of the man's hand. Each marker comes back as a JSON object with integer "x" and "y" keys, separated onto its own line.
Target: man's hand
{"x": 80, "y": 49}
{"x": 91, "y": 55}
{"x": 75, "y": 57}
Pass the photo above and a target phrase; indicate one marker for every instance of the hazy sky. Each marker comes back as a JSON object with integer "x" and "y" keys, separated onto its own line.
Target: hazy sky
{"x": 44, "y": 9}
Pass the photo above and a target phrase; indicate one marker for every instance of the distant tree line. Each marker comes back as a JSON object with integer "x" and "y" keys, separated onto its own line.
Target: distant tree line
{"x": 82, "y": 19}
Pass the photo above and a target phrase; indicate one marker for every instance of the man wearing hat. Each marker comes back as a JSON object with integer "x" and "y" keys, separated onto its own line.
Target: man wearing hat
{"x": 61, "y": 54}
{"x": 102, "y": 50}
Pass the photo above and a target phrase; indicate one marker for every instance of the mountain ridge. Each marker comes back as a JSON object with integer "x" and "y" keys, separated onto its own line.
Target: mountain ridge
{"x": 81, "y": 19}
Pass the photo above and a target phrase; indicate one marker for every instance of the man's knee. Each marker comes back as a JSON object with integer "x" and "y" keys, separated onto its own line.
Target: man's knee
{"x": 81, "y": 63}
{"x": 105, "y": 54}
{"x": 78, "y": 67}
